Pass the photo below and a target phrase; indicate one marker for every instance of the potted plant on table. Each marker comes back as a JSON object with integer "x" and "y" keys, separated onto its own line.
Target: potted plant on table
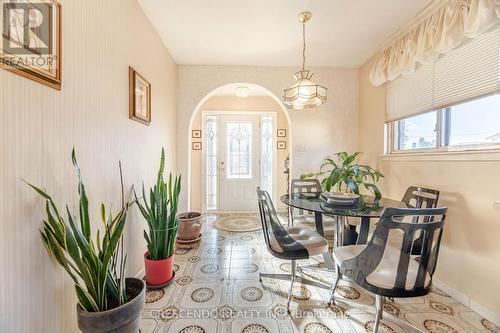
{"x": 107, "y": 300}
{"x": 345, "y": 175}
{"x": 160, "y": 214}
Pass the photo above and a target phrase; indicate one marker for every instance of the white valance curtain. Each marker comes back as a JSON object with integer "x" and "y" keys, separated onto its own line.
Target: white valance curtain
{"x": 465, "y": 73}
{"x": 441, "y": 27}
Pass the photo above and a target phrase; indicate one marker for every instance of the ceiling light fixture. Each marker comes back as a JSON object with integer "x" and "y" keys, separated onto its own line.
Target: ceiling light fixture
{"x": 242, "y": 91}
{"x": 304, "y": 93}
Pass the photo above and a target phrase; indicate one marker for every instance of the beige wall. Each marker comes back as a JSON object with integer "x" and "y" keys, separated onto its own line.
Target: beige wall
{"x": 315, "y": 133}
{"x": 40, "y": 125}
{"x": 469, "y": 184}
{"x": 233, "y": 103}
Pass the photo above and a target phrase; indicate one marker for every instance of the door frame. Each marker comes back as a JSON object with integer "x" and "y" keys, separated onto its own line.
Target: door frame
{"x": 274, "y": 116}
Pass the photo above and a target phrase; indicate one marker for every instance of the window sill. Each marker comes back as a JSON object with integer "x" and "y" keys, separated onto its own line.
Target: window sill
{"x": 464, "y": 155}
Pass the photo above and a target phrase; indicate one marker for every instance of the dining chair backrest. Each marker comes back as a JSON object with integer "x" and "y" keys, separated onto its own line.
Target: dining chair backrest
{"x": 277, "y": 239}
{"x": 412, "y": 273}
{"x": 421, "y": 197}
{"x": 305, "y": 186}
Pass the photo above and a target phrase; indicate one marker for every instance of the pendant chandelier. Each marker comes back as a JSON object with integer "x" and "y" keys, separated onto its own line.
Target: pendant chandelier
{"x": 304, "y": 93}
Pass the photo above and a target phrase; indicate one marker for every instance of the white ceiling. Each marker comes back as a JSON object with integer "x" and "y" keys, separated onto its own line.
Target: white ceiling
{"x": 342, "y": 33}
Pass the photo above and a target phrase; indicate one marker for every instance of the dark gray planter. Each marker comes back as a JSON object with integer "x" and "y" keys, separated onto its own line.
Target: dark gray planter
{"x": 123, "y": 319}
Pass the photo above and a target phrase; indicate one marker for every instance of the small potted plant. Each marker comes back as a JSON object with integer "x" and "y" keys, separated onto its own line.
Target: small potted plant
{"x": 107, "y": 300}
{"x": 160, "y": 214}
{"x": 345, "y": 175}
{"x": 189, "y": 233}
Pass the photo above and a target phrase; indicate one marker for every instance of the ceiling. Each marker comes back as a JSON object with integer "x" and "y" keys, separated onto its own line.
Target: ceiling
{"x": 342, "y": 33}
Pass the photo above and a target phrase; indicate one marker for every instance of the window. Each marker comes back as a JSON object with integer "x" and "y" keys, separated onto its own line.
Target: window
{"x": 239, "y": 152}
{"x": 450, "y": 104}
{"x": 418, "y": 132}
{"x": 266, "y": 153}
{"x": 211, "y": 162}
{"x": 471, "y": 125}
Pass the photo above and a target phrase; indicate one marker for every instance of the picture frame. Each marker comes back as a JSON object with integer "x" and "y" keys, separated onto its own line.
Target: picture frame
{"x": 281, "y": 133}
{"x": 281, "y": 145}
{"x": 38, "y": 58}
{"x": 196, "y": 134}
{"x": 139, "y": 97}
{"x": 196, "y": 146}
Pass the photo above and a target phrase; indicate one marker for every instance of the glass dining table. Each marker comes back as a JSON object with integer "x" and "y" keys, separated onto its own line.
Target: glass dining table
{"x": 366, "y": 208}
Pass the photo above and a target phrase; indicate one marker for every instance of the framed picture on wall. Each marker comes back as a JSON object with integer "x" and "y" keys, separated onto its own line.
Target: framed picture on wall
{"x": 32, "y": 50}
{"x": 282, "y": 133}
{"x": 196, "y": 134}
{"x": 196, "y": 145}
{"x": 281, "y": 144}
{"x": 139, "y": 97}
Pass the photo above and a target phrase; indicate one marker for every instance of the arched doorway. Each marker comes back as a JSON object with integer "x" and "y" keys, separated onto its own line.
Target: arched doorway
{"x": 207, "y": 183}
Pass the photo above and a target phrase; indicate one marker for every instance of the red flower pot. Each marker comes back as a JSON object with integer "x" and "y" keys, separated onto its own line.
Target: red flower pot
{"x": 158, "y": 271}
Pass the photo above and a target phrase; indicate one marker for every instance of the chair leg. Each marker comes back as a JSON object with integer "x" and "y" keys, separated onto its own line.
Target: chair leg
{"x": 332, "y": 290}
{"x": 294, "y": 270}
{"x": 378, "y": 305}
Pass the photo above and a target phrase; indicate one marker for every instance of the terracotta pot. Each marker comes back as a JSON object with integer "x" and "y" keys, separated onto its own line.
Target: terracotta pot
{"x": 123, "y": 319}
{"x": 190, "y": 224}
{"x": 158, "y": 271}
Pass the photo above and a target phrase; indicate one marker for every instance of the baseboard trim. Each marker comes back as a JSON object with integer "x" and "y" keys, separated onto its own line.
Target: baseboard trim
{"x": 468, "y": 301}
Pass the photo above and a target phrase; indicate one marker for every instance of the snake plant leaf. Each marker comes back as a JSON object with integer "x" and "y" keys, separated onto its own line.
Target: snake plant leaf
{"x": 39, "y": 191}
{"x": 80, "y": 239}
{"x": 159, "y": 210}
{"x": 55, "y": 223}
{"x": 86, "y": 300}
{"x": 84, "y": 203}
{"x": 92, "y": 271}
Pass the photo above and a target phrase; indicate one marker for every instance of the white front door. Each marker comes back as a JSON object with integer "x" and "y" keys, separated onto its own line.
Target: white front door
{"x": 239, "y": 162}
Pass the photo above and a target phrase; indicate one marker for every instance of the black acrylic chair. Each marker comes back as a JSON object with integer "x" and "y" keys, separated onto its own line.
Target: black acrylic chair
{"x": 309, "y": 188}
{"x": 306, "y": 187}
{"x": 289, "y": 243}
{"x": 394, "y": 272}
{"x": 421, "y": 197}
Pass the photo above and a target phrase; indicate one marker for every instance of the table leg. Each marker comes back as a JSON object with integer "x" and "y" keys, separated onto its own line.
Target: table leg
{"x": 339, "y": 237}
{"x": 364, "y": 228}
{"x": 318, "y": 219}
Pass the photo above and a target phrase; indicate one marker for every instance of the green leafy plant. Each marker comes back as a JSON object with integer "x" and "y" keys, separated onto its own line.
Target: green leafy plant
{"x": 347, "y": 176}
{"x": 161, "y": 214}
{"x": 95, "y": 266}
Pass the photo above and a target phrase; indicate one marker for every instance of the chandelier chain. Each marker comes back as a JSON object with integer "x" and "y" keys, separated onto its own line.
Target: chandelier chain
{"x": 303, "y": 46}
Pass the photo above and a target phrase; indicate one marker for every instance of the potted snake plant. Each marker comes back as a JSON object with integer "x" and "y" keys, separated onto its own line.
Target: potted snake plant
{"x": 107, "y": 300}
{"x": 160, "y": 214}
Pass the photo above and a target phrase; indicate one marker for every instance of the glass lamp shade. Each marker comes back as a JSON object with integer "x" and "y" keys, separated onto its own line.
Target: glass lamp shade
{"x": 304, "y": 93}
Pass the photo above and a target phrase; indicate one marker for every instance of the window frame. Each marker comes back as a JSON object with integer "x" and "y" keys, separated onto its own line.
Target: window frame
{"x": 442, "y": 132}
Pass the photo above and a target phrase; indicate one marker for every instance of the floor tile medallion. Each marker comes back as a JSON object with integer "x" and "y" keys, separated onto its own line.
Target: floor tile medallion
{"x": 216, "y": 290}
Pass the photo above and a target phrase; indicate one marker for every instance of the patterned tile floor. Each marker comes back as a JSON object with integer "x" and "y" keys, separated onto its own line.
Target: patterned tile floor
{"x": 217, "y": 290}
